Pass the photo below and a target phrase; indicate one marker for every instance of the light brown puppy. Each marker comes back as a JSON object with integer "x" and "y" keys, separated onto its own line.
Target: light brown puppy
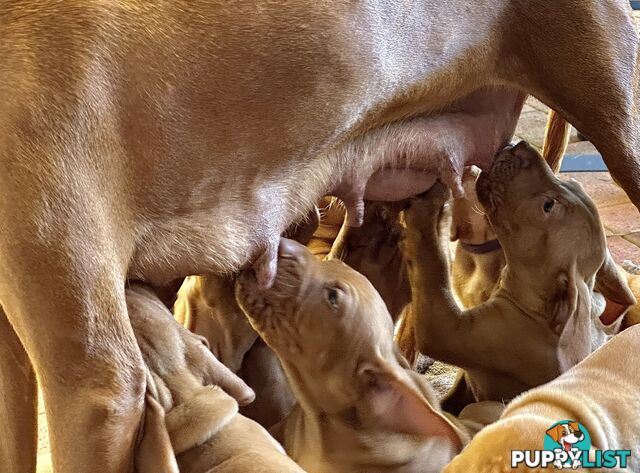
{"x": 479, "y": 258}
{"x": 207, "y": 306}
{"x": 133, "y": 131}
{"x": 545, "y": 315}
{"x": 360, "y": 407}
{"x": 373, "y": 250}
{"x": 601, "y": 393}
{"x": 191, "y": 424}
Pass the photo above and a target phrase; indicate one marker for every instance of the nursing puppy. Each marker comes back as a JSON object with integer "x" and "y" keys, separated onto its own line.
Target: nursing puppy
{"x": 191, "y": 425}
{"x": 360, "y": 407}
{"x": 601, "y": 393}
{"x": 545, "y": 315}
{"x": 479, "y": 258}
{"x": 207, "y": 306}
{"x": 373, "y": 250}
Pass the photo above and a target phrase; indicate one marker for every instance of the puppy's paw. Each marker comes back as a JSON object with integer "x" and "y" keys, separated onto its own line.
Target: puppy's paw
{"x": 425, "y": 214}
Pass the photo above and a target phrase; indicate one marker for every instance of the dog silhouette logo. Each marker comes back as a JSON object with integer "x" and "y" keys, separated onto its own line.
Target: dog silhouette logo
{"x": 568, "y": 439}
{"x": 567, "y": 446}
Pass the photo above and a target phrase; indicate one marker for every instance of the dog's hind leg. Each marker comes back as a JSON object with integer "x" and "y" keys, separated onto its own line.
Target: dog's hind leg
{"x": 18, "y": 403}
{"x": 581, "y": 58}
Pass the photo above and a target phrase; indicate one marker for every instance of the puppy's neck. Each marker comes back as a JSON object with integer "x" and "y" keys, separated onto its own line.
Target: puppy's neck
{"x": 530, "y": 290}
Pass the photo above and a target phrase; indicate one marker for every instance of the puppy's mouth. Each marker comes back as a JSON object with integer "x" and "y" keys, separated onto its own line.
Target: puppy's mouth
{"x": 491, "y": 186}
{"x": 263, "y": 306}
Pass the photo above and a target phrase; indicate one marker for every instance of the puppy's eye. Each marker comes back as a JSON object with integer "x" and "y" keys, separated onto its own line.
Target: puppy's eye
{"x": 548, "y": 205}
{"x": 333, "y": 297}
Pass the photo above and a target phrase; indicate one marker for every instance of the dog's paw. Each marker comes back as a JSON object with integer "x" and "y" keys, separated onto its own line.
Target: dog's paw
{"x": 425, "y": 213}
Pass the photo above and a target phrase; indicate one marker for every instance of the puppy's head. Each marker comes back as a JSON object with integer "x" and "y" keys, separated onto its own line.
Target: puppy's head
{"x": 334, "y": 336}
{"x": 315, "y": 310}
{"x": 550, "y": 230}
{"x": 537, "y": 216}
{"x": 567, "y": 433}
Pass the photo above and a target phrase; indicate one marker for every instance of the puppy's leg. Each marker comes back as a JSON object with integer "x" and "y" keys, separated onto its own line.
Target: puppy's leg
{"x": 471, "y": 338}
{"x": 18, "y": 403}
{"x": 600, "y": 92}
{"x": 67, "y": 306}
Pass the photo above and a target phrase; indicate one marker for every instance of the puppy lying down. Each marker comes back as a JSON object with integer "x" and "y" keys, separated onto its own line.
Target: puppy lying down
{"x": 601, "y": 393}
{"x": 191, "y": 423}
{"x": 360, "y": 408}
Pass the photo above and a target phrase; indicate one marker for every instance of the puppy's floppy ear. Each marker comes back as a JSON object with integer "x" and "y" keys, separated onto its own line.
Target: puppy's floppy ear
{"x": 154, "y": 453}
{"x": 393, "y": 403}
{"x": 196, "y": 420}
{"x": 613, "y": 286}
{"x": 571, "y": 309}
{"x": 574, "y": 426}
{"x": 555, "y": 432}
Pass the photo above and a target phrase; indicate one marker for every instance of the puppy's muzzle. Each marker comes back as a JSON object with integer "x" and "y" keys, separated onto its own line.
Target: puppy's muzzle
{"x": 490, "y": 186}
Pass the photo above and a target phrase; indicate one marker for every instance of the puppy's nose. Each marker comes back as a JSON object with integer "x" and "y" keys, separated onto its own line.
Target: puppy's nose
{"x": 290, "y": 249}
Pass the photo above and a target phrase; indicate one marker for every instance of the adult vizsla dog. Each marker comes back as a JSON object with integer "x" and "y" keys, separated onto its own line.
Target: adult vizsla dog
{"x": 601, "y": 393}
{"x": 545, "y": 315}
{"x": 361, "y": 409}
{"x": 153, "y": 140}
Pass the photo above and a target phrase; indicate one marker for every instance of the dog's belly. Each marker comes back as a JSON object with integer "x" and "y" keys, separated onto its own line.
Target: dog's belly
{"x": 405, "y": 158}
{"x": 219, "y": 222}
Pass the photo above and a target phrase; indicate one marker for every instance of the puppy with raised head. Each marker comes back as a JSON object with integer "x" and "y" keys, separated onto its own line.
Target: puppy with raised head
{"x": 191, "y": 425}
{"x": 360, "y": 407}
{"x": 544, "y": 317}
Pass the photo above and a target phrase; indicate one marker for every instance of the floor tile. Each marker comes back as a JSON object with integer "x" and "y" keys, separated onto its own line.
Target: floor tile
{"x": 622, "y": 250}
{"x": 600, "y": 187}
{"x": 621, "y": 219}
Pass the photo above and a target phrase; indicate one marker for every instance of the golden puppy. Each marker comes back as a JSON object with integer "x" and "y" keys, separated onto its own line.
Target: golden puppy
{"x": 360, "y": 407}
{"x": 600, "y": 393}
{"x": 191, "y": 424}
{"x": 373, "y": 250}
{"x": 545, "y": 315}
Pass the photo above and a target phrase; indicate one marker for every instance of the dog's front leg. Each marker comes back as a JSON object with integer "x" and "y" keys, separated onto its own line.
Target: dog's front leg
{"x": 18, "y": 403}
{"x": 68, "y": 310}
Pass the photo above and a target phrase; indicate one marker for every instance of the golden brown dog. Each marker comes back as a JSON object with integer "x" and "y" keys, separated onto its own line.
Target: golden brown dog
{"x": 545, "y": 315}
{"x": 134, "y": 131}
{"x": 600, "y": 393}
{"x": 479, "y": 258}
{"x": 359, "y": 409}
{"x": 191, "y": 425}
